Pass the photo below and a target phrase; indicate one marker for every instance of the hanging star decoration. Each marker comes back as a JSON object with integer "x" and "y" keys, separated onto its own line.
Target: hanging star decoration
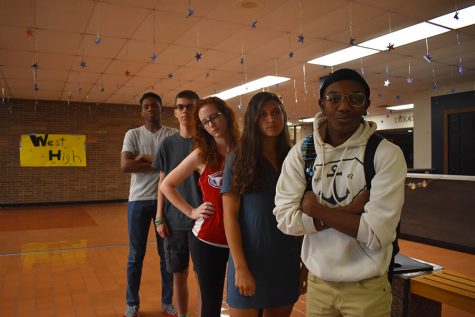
{"x": 82, "y": 64}
{"x": 461, "y": 69}
{"x": 240, "y": 106}
{"x": 301, "y": 39}
{"x": 127, "y": 73}
{"x": 352, "y": 42}
{"x": 242, "y": 60}
{"x": 428, "y": 58}
{"x": 154, "y": 56}
{"x": 35, "y": 86}
{"x": 198, "y": 56}
{"x": 253, "y": 24}
{"x": 435, "y": 86}
{"x": 35, "y": 65}
{"x": 291, "y": 54}
{"x": 386, "y": 83}
{"x": 456, "y": 16}
{"x": 29, "y": 32}
{"x": 170, "y": 75}
{"x": 190, "y": 13}
{"x": 98, "y": 39}
{"x": 409, "y": 80}
{"x": 390, "y": 47}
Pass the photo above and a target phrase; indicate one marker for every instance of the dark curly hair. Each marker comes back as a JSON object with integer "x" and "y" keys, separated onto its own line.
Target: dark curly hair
{"x": 204, "y": 141}
{"x": 250, "y": 165}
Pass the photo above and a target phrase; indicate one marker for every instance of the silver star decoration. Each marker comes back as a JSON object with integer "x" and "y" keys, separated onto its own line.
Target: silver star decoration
{"x": 386, "y": 83}
{"x": 409, "y": 80}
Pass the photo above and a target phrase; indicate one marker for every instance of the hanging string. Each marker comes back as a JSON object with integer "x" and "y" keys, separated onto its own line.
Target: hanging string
{"x": 434, "y": 86}
{"x": 304, "y": 78}
{"x": 409, "y": 79}
{"x": 295, "y": 92}
{"x": 427, "y": 57}
{"x": 362, "y": 67}
{"x": 387, "y": 82}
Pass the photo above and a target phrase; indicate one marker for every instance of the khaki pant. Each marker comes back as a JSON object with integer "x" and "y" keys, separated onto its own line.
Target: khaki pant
{"x": 367, "y": 298}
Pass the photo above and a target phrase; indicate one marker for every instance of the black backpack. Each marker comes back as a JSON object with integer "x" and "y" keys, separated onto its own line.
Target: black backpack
{"x": 309, "y": 154}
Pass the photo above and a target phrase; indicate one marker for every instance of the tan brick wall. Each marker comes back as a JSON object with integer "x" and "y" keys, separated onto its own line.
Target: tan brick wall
{"x": 104, "y": 126}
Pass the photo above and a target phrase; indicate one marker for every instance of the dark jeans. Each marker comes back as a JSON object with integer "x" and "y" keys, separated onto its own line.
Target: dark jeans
{"x": 140, "y": 215}
{"x": 210, "y": 264}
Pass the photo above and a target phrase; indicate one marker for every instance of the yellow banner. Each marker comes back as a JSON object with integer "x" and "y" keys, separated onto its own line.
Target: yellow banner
{"x": 52, "y": 150}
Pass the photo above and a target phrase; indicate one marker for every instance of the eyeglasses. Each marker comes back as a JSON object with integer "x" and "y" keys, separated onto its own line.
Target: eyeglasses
{"x": 183, "y": 107}
{"x": 211, "y": 119}
{"x": 355, "y": 99}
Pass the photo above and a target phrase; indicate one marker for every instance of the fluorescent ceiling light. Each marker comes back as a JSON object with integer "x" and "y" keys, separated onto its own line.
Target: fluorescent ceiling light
{"x": 307, "y": 119}
{"x": 465, "y": 16}
{"x": 343, "y": 56}
{"x": 401, "y": 107}
{"x": 399, "y": 38}
{"x": 251, "y": 86}
{"x": 405, "y": 36}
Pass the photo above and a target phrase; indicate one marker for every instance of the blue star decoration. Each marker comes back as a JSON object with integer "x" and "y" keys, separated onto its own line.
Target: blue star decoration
{"x": 98, "y": 39}
{"x": 352, "y": 41}
{"x": 461, "y": 69}
{"x": 456, "y": 16}
{"x": 253, "y": 24}
{"x": 386, "y": 83}
{"x": 428, "y": 58}
{"x": 435, "y": 86}
{"x": 35, "y": 65}
{"x": 409, "y": 80}
{"x": 291, "y": 54}
{"x": 390, "y": 47}
{"x": 82, "y": 64}
{"x": 198, "y": 56}
{"x": 170, "y": 75}
{"x": 190, "y": 12}
{"x": 153, "y": 58}
{"x": 301, "y": 38}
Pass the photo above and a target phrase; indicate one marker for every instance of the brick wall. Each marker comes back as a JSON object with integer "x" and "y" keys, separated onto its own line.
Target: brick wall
{"x": 104, "y": 126}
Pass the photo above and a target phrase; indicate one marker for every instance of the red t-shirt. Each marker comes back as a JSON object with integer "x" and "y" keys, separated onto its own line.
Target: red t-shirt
{"x": 211, "y": 230}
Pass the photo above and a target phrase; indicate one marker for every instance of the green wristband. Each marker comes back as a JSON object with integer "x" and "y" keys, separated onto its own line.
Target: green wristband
{"x": 159, "y": 221}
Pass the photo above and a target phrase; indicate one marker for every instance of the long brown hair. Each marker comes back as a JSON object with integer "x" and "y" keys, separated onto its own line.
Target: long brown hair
{"x": 250, "y": 167}
{"x": 205, "y": 141}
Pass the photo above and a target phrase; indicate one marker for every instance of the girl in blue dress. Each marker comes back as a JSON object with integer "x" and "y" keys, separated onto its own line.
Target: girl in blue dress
{"x": 264, "y": 264}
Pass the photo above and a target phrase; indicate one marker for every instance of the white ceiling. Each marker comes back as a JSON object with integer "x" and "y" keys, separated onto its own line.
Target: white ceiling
{"x": 64, "y": 33}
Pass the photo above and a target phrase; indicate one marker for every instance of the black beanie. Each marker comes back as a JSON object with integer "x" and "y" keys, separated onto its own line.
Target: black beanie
{"x": 344, "y": 74}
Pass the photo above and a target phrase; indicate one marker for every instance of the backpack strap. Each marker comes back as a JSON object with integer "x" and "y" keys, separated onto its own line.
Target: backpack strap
{"x": 368, "y": 161}
{"x": 369, "y": 172}
{"x": 308, "y": 154}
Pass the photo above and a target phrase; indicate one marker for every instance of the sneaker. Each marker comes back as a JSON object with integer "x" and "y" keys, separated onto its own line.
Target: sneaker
{"x": 131, "y": 311}
{"x": 168, "y": 310}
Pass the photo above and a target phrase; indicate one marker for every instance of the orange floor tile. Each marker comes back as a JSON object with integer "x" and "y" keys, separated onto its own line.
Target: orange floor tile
{"x": 67, "y": 261}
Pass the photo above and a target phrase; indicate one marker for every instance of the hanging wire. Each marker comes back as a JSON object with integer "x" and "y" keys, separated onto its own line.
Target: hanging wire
{"x": 304, "y": 78}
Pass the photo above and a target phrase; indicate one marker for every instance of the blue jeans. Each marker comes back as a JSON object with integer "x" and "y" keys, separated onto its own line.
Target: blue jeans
{"x": 140, "y": 215}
